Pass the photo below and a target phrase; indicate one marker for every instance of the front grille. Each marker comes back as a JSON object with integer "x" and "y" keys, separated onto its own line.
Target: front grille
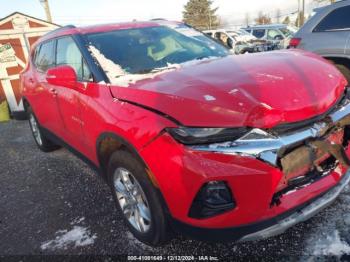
{"x": 313, "y": 160}
{"x": 324, "y": 169}
{"x": 320, "y": 164}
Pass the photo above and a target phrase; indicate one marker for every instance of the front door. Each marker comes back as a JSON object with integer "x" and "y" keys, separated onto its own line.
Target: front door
{"x": 69, "y": 99}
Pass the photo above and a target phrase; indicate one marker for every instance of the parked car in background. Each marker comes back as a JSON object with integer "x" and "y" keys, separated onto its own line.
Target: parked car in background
{"x": 327, "y": 33}
{"x": 189, "y": 137}
{"x": 240, "y": 41}
{"x": 278, "y": 33}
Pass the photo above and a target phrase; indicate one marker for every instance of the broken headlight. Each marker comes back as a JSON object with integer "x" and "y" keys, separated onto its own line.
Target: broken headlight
{"x": 195, "y": 136}
{"x": 256, "y": 143}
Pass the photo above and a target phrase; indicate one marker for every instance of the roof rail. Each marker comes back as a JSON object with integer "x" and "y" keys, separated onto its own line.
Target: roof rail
{"x": 159, "y": 19}
{"x": 60, "y": 29}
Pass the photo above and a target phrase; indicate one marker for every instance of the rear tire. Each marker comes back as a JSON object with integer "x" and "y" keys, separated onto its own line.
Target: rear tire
{"x": 43, "y": 143}
{"x": 138, "y": 192}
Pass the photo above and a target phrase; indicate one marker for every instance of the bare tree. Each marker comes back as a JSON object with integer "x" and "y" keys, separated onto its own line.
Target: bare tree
{"x": 263, "y": 19}
{"x": 325, "y": 1}
{"x": 286, "y": 20}
{"x": 300, "y": 19}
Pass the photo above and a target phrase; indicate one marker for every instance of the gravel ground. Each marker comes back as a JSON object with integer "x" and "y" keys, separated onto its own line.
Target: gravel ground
{"x": 54, "y": 204}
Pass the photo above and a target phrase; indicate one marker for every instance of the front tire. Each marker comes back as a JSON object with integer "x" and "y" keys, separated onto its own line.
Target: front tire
{"x": 43, "y": 143}
{"x": 137, "y": 199}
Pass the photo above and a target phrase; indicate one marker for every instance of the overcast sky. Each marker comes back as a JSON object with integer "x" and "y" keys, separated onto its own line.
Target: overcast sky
{"x": 102, "y": 11}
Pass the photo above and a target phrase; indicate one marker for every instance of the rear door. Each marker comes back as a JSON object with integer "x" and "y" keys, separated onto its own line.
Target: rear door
{"x": 44, "y": 98}
{"x": 330, "y": 35}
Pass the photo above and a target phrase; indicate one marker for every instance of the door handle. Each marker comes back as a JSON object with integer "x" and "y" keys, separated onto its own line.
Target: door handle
{"x": 53, "y": 91}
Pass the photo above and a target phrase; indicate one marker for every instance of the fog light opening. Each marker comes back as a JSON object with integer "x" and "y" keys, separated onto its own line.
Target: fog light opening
{"x": 213, "y": 198}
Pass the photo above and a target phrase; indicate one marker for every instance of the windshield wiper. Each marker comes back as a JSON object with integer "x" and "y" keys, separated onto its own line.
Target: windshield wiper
{"x": 202, "y": 57}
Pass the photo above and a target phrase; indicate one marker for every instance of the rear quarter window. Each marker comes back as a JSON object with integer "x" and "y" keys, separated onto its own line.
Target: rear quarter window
{"x": 338, "y": 19}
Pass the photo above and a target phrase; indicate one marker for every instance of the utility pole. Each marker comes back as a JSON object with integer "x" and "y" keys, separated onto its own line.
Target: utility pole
{"x": 302, "y": 18}
{"x": 45, "y": 4}
{"x": 298, "y": 17}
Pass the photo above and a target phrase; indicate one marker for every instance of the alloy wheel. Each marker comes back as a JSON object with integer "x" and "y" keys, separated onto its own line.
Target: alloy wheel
{"x": 132, "y": 200}
{"x": 35, "y": 129}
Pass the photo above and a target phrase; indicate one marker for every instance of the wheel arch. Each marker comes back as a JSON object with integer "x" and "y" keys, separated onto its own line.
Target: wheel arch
{"x": 342, "y": 63}
{"x": 26, "y": 103}
{"x": 343, "y": 60}
{"x": 109, "y": 142}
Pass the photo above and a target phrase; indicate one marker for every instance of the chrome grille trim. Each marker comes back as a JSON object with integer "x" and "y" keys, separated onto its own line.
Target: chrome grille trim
{"x": 271, "y": 147}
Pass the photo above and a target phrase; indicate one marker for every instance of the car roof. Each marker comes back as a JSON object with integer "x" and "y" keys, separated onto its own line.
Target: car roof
{"x": 269, "y": 26}
{"x": 335, "y": 5}
{"x": 220, "y": 31}
{"x": 73, "y": 30}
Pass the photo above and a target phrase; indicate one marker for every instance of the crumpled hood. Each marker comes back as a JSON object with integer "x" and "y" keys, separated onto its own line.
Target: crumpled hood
{"x": 257, "y": 90}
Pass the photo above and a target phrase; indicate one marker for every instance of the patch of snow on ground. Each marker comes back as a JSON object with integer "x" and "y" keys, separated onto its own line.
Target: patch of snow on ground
{"x": 77, "y": 237}
{"x": 331, "y": 234}
{"x": 331, "y": 245}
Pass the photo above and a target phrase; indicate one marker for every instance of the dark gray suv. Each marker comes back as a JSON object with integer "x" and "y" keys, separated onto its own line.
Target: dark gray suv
{"x": 327, "y": 33}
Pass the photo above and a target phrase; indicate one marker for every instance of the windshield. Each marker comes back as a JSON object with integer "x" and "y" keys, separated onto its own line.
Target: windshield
{"x": 143, "y": 50}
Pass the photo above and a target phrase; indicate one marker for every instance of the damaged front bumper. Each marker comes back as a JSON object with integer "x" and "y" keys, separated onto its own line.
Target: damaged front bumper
{"x": 267, "y": 228}
{"x": 301, "y": 214}
{"x": 272, "y": 189}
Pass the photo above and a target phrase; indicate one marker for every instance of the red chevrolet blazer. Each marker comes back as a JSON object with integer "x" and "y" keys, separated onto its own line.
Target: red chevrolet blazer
{"x": 190, "y": 138}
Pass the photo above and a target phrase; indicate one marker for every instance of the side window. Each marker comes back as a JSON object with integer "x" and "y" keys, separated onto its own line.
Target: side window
{"x": 272, "y": 33}
{"x": 338, "y": 19}
{"x": 217, "y": 35}
{"x": 68, "y": 53}
{"x": 44, "y": 56}
{"x": 259, "y": 33}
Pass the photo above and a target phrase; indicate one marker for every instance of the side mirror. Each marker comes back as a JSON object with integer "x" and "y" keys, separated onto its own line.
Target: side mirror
{"x": 62, "y": 76}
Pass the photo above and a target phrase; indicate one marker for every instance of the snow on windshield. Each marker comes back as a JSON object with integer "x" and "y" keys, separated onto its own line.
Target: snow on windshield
{"x": 117, "y": 76}
{"x": 130, "y": 55}
{"x": 111, "y": 69}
